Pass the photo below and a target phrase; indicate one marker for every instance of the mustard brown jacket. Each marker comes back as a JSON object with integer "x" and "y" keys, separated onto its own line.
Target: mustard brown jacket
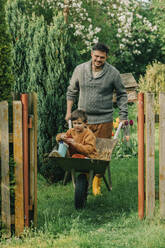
{"x": 85, "y": 142}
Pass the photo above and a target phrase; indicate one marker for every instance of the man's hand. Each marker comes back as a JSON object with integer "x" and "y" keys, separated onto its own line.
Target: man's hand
{"x": 68, "y": 116}
{"x": 124, "y": 122}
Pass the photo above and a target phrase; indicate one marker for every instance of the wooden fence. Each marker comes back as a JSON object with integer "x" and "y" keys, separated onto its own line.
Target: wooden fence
{"x": 148, "y": 178}
{"x": 13, "y": 144}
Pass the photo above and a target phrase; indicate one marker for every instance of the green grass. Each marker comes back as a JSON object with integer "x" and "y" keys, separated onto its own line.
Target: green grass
{"x": 109, "y": 220}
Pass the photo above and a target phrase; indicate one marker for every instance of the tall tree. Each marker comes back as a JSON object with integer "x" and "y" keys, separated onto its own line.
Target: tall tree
{"x": 6, "y": 78}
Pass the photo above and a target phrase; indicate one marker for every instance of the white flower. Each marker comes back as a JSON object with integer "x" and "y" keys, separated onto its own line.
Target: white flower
{"x": 122, "y": 46}
{"x": 139, "y": 16}
{"x": 97, "y": 30}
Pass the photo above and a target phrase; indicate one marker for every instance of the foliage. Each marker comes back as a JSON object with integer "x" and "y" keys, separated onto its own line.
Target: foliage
{"x": 6, "y": 78}
{"x": 51, "y": 171}
{"x": 127, "y": 144}
{"x": 127, "y": 27}
{"x": 153, "y": 81}
{"x": 44, "y": 57}
{"x": 130, "y": 28}
{"x": 158, "y": 7}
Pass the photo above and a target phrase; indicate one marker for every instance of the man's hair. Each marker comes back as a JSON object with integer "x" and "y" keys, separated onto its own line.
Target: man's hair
{"x": 100, "y": 47}
{"x": 79, "y": 113}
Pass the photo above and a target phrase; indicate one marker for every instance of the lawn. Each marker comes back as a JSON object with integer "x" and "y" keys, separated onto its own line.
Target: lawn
{"x": 109, "y": 220}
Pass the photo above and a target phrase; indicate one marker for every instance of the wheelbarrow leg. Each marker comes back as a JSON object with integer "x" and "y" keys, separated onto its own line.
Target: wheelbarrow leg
{"x": 91, "y": 173}
{"x": 73, "y": 177}
{"x": 109, "y": 178}
{"x": 65, "y": 177}
{"x": 106, "y": 183}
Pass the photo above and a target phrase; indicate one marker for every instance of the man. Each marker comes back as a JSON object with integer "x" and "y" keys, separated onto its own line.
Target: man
{"x": 94, "y": 82}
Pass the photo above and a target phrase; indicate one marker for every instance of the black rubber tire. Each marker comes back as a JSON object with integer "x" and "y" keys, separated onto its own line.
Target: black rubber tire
{"x": 81, "y": 189}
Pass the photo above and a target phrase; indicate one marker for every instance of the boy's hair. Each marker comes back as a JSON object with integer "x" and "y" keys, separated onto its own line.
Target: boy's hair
{"x": 79, "y": 113}
{"x": 100, "y": 47}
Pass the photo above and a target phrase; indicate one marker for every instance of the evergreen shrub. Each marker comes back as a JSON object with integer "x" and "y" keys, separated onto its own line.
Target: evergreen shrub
{"x": 44, "y": 57}
{"x": 6, "y": 78}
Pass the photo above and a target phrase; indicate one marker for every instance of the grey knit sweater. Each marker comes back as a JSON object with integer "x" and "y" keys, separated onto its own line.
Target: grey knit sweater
{"x": 95, "y": 94}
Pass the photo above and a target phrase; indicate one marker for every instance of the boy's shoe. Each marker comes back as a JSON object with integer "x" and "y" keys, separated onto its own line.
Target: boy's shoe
{"x": 96, "y": 186}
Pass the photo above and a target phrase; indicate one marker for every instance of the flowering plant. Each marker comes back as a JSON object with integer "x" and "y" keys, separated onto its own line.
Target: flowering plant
{"x": 127, "y": 143}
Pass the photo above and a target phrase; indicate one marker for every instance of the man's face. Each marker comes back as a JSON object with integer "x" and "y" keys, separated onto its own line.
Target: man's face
{"x": 98, "y": 59}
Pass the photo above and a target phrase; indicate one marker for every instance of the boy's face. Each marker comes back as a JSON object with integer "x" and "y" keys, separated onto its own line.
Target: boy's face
{"x": 78, "y": 125}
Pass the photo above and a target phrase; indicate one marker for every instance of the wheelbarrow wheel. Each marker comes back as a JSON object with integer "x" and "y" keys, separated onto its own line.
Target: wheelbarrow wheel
{"x": 81, "y": 189}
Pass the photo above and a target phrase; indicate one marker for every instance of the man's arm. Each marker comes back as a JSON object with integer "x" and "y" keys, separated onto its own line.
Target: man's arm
{"x": 72, "y": 92}
{"x": 69, "y": 109}
{"x": 122, "y": 99}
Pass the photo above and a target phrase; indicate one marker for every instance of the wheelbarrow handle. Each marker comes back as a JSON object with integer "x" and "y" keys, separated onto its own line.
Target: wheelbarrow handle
{"x": 118, "y": 130}
{"x": 70, "y": 124}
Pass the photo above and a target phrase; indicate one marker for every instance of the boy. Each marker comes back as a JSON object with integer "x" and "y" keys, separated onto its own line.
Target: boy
{"x": 80, "y": 139}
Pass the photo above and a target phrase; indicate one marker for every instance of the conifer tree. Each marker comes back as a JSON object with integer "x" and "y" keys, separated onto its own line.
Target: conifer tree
{"x": 18, "y": 26}
{"x": 55, "y": 53}
{"x": 44, "y": 59}
{"x": 6, "y": 79}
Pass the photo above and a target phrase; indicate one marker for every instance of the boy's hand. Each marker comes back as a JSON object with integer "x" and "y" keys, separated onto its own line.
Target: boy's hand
{"x": 70, "y": 141}
{"x": 63, "y": 137}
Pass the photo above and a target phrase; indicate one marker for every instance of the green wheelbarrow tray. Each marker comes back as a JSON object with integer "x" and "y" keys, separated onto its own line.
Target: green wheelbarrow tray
{"x": 91, "y": 166}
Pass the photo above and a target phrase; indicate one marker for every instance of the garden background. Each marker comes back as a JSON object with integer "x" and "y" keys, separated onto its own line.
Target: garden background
{"x": 39, "y": 49}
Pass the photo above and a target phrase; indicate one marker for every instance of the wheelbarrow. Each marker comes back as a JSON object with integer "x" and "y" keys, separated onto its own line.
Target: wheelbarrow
{"x": 87, "y": 166}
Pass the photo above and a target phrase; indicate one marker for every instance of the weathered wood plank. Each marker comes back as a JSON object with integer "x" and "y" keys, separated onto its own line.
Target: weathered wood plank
{"x": 24, "y": 100}
{"x": 132, "y": 96}
{"x": 5, "y": 184}
{"x": 150, "y": 155}
{"x": 33, "y": 155}
{"x": 32, "y": 163}
{"x": 18, "y": 158}
{"x": 162, "y": 155}
{"x": 130, "y": 85}
{"x": 129, "y": 80}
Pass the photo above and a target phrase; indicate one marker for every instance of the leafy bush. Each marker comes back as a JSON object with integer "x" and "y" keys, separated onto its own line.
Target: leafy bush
{"x": 153, "y": 81}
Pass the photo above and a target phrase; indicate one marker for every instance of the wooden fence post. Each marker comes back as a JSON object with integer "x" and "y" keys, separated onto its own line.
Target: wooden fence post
{"x": 18, "y": 158}
{"x": 150, "y": 155}
{"x": 24, "y": 139}
{"x": 141, "y": 155}
{"x": 5, "y": 183}
{"x": 162, "y": 154}
{"x": 24, "y": 99}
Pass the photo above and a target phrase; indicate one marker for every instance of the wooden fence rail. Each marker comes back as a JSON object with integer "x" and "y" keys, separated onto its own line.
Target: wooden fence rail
{"x": 149, "y": 151}
{"x": 19, "y": 219}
